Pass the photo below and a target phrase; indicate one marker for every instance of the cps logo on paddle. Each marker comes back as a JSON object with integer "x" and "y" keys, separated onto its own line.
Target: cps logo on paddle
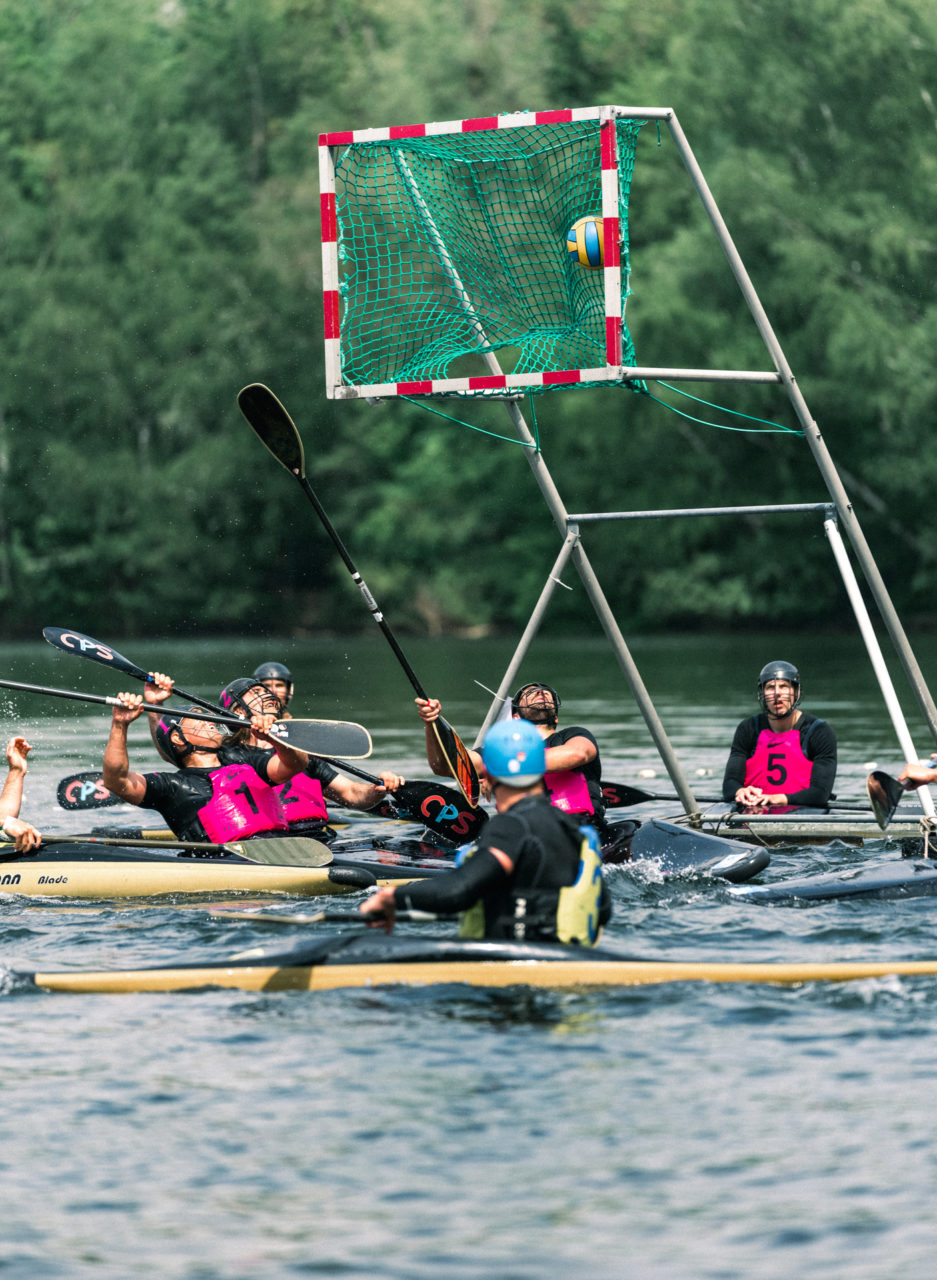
{"x": 84, "y": 644}
{"x": 435, "y": 808}
{"x": 79, "y": 792}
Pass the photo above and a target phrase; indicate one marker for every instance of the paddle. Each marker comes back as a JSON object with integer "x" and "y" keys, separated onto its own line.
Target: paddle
{"x": 115, "y": 702}
{"x": 616, "y": 795}
{"x": 322, "y": 737}
{"x": 885, "y": 793}
{"x": 85, "y": 791}
{"x": 440, "y": 809}
{"x": 319, "y": 917}
{"x": 290, "y": 851}
{"x": 87, "y": 647}
{"x": 278, "y": 433}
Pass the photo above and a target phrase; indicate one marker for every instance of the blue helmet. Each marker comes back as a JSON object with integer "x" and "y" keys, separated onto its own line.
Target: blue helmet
{"x": 513, "y": 753}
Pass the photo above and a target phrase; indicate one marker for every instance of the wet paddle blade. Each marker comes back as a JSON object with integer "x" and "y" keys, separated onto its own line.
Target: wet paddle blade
{"x": 458, "y": 759}
{"x": 442, "y": 810}
{"x": 289, "y": 851}
{"x": 274, "y": 427}
{"x": 885, "y": 794}
{"x": 326, "y": 737}
{"x": 85, "y": 791}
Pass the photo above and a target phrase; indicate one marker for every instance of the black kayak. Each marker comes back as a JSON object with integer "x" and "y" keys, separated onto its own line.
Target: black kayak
{"x": 672, "y": 850}
{"x": 901, "y": 878}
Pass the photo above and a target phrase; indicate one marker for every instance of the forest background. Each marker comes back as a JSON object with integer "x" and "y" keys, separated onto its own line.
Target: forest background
{"x": 160, "y": 248}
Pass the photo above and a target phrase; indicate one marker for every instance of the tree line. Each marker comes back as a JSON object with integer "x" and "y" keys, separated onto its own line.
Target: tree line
{"x": 160, "y": 209}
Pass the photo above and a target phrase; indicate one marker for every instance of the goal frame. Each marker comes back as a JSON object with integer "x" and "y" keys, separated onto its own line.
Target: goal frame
{"x": 494, "y": 381}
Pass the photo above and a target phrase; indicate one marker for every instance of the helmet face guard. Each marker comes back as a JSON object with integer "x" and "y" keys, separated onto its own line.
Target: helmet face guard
{"x": 168, "y": 734}
{"x": 232, "y": 695}
{"x": 778, "y": 670}
{"x": 536, "y": 715}
{"x": 513, "y": 754}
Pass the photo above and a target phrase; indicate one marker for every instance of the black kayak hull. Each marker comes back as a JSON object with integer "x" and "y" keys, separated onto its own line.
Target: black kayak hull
{"x": 904, "y": 878}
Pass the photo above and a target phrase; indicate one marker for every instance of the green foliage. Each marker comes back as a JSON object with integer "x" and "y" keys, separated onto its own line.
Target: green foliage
{"x": 159, "y": 200}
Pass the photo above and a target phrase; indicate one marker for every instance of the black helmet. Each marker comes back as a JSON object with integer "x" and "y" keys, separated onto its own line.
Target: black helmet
{"x": 535, "y": 684}
{"x": 232, "y": 695}
{"x": 276, "y": 671}
{"x": 779, "y": 670}
{"x": 169, "y": 747}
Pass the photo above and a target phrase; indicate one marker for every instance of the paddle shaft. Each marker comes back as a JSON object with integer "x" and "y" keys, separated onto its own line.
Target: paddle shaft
{"x": 619, "y": 796}
{"x": 200, "y": 845}
{"x": 322, "y": 917}
{"x": 275, "y": 851}
{"x": 115, "y": 702}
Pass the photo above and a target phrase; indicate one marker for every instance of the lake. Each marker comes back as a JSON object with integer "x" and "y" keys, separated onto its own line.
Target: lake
{"x": 688, "y": 1132}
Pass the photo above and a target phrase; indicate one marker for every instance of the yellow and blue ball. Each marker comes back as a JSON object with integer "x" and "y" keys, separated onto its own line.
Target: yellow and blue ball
{"x": 585, "y": 241}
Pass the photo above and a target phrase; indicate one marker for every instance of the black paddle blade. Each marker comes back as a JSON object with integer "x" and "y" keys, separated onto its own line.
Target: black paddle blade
{"x": 458, "y": 759}
{"x": 325, "y": 737}
{"x": 274, "y": 426}
{"x": 885, "y": 794}
{"x": 85, "y": 791}
{"x": 616, "y": 795}
{"x": 442, "y": 810}
{"x": 70, "y": 641}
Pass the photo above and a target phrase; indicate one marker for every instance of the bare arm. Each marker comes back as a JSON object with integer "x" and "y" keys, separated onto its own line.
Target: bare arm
{"x": 430, "y": 710}
{"x": 117, "y": 775}
{"x": 916, "y": 775}
{"x": 363, "y": 795}
{"x": 154, "y": 695}
{"x": 288, "y": 760}
{"x": 570, "y": 755}
{"x": 11, "y": 797}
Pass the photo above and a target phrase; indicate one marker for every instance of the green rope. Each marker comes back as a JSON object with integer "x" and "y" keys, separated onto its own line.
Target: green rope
{"x": 719, "y": 426}
{"x": 420, "y": 404}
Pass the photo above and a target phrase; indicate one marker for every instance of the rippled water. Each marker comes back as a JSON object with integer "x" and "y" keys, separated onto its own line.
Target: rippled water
{"x": 688, "y": 1131}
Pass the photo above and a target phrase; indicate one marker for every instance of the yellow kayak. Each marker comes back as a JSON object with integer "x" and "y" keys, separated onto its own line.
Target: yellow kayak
{"x": 370, "y": 959}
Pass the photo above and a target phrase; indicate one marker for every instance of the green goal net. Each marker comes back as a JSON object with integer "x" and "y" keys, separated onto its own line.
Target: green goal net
{"x": 446, "y": 263}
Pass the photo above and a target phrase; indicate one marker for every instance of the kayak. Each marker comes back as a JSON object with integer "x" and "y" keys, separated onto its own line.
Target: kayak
{"x": 680, "y": 850}
{"x": 907, "y": 878}
{"x": 78, "y": 869}
{"x": 673, "y": 851}
{"x": 372, "y": 959}
{"x": 83, "y": 870}
{"x": 815, "y": 827}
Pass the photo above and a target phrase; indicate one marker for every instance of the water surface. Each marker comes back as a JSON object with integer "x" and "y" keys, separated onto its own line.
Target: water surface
{"x": 688, "y": 1131}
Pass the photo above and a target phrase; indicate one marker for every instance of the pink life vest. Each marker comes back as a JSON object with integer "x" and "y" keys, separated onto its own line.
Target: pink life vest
{"x": 242, "y": 805}
{"x": 302, "y": 799}
{"x": 569, "y": 791}
{"x": 778, "y": 764}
